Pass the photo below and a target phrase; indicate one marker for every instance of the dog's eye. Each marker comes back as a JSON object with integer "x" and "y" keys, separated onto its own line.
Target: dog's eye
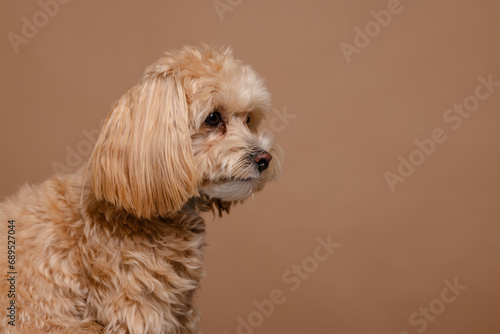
{"x": 247, "y": 121}
{"x": 214, "y": 119}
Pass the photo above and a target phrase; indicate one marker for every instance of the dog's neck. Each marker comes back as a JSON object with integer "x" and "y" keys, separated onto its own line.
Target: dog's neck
{"x": 188, "y": 218}
{"x": 117, "y": 219}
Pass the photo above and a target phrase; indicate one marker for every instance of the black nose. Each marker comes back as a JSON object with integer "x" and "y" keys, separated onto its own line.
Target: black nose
{"x": 262, "y": 160}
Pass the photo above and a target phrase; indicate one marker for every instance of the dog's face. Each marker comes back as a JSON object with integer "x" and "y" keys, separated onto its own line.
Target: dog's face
{"x": 228, "y": 102}
{"x": 189, "y": 128}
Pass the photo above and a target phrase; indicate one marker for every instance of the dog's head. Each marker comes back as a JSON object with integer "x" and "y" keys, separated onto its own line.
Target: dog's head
{"x": 189, "y": 128}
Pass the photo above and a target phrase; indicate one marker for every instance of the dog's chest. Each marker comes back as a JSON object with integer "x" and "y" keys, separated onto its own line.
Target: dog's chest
{"x": 158, "y": 270}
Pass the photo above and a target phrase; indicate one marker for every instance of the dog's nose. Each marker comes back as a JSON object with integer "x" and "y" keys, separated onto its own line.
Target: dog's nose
{"x": 262, "y": 160}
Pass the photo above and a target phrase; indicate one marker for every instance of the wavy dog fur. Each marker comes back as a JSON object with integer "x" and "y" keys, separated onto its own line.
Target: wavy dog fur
{"x": 117, "y": 246}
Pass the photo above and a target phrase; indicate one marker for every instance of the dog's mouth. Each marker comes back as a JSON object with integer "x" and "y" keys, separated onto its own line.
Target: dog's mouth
{"x": 230, "y": 179}
{"x": 241, "y": 179}
{"x": 229, "y": 189}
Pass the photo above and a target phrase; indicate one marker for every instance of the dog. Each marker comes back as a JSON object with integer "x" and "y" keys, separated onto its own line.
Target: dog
{"x": 117, "y": 246}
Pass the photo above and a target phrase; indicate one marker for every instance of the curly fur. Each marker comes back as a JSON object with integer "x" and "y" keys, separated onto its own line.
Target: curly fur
{"x": 117, "y": 246}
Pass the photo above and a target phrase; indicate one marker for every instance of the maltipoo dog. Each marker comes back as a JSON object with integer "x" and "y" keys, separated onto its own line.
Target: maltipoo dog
{"x": 117, "y": 246}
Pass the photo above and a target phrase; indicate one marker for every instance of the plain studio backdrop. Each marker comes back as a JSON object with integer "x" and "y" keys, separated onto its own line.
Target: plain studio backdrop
{"x": 386, "y": 217}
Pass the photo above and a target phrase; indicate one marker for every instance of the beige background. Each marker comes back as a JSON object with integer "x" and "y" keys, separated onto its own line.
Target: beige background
{"x": 352, "y": 121}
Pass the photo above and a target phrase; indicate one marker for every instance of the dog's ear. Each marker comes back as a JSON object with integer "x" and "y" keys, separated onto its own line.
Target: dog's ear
{"x": 143, "y": 160}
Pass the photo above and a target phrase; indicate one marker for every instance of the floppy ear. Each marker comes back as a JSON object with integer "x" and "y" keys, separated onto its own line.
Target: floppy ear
{"x": 143, "y": 160}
